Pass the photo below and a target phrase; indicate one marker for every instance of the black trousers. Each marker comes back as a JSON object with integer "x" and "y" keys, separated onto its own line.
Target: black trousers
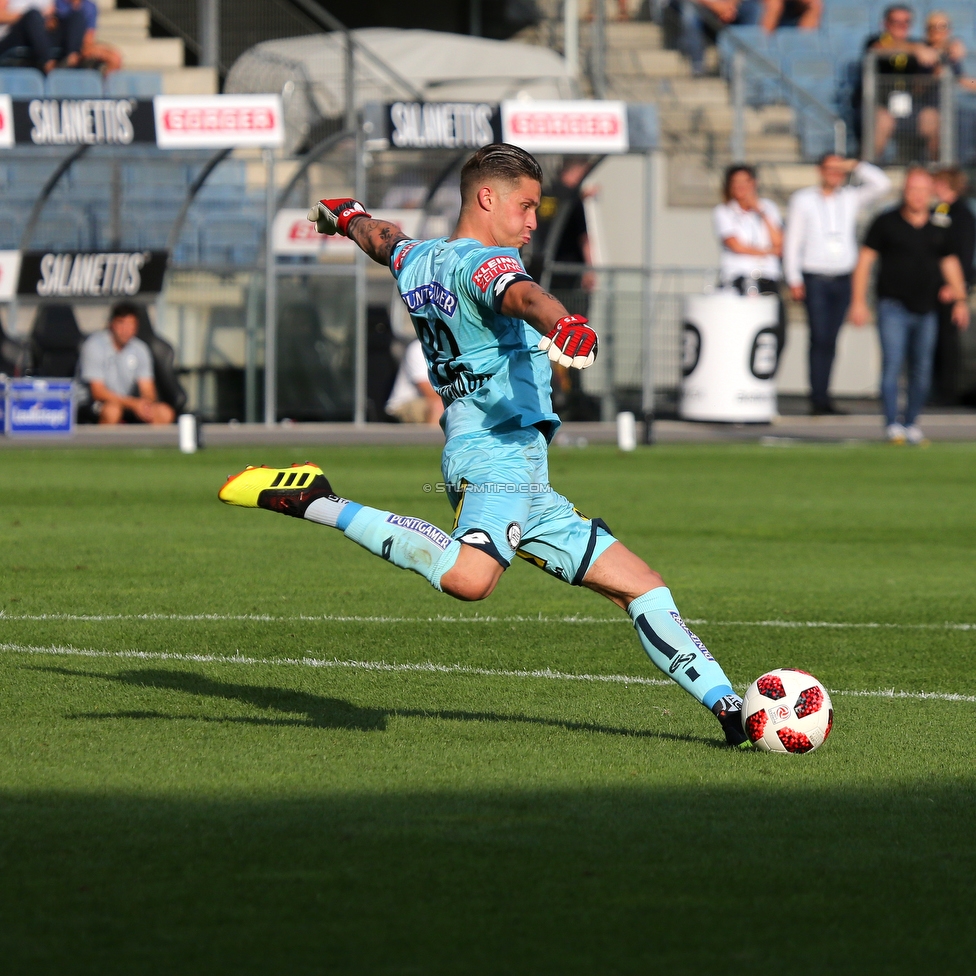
{"x": 30, "y": 32}
{"x": 827, "y": 300}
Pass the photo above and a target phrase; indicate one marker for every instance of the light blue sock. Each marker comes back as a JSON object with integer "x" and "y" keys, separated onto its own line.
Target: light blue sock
{"x": 675, "y": 649}
{"x": 410, "y": 543}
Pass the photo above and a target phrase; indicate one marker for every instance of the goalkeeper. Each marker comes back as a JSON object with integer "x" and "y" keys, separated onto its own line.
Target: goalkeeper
{"x": 488, "y": 332}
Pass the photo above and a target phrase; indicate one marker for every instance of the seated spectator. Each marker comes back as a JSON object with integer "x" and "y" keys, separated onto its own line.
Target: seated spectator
{"x": 938, "y": 36}
{"x": 413, "y": 400}
{"x": 702, "y": 19}
{"x": 22, "y": 25}
{"x": 900, "y": 55}
{"x": 118, "y": 368}
{"x": 87, "y": 52}
{"x": 804, "y": 14}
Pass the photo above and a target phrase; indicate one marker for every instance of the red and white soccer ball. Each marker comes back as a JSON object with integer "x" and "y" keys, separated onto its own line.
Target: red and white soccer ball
{"x": 787, "y": 710}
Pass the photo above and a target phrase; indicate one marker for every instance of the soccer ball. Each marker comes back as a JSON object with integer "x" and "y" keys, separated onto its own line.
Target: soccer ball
{"x": 787, "y": 710}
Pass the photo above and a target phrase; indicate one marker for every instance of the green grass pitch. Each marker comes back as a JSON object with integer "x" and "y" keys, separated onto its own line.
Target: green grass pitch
{"x": 188, "y": 785}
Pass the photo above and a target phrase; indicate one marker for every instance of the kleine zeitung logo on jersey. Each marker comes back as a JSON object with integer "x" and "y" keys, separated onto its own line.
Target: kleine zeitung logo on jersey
{"x": 561, "y": 127}
{"x": 216, "y": 121}
{"x": 494, "y": 267}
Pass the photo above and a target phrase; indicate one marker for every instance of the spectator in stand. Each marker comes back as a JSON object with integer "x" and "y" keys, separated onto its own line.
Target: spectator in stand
{"x": 804, "y": 14}
{"x": 118, "y": 368}
{"x": 819, "y": 254}
{"x": 938, "y": 36}
{"x": 751, "y": 233}
{"x": 917, "y": 259}
{"x": 32, "y": 24}
{"x": 90, "y": 53}
{"x": 702, "y": 19}
{"x": 412, "y": 399}
{"x": 954, "y": 213}
{"x": 899, "y": 55}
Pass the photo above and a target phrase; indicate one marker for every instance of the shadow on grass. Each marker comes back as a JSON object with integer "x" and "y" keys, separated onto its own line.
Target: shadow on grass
{"x": 612, "y": 880}
{"x": 321, "y": 712}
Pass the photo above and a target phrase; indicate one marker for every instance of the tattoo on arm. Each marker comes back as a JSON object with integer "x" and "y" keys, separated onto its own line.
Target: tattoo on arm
{"x": 376, "y": 237}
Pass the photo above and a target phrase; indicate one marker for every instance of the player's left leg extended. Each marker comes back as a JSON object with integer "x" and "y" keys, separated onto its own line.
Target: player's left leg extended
{"x": 583, "y": 552}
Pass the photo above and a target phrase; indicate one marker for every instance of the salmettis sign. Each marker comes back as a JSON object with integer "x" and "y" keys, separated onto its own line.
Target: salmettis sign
{"x": 84, "y": 274}
{"x": 167, "y": 121}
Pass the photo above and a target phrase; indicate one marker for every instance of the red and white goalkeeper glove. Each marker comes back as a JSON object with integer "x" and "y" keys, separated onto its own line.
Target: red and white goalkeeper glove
{"x": 334, "y": 216}
{"x": 571, "y": 342}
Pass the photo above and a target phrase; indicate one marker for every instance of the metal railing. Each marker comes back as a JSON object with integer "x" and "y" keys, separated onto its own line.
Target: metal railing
{"x": 636, "y": 365}
{"x": 907, "y": 118}
{"x": 793, "y": 93}
{"x": 220, "y": 41}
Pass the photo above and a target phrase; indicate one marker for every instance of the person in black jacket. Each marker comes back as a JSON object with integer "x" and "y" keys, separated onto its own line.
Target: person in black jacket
{"x": 952, "y": 211}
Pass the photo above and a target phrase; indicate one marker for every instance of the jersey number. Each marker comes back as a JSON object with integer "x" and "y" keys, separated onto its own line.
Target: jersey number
{"x": 439, "y": 342}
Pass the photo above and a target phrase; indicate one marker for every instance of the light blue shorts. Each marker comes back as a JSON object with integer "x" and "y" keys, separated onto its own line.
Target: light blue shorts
{"x": 498, "y": 484}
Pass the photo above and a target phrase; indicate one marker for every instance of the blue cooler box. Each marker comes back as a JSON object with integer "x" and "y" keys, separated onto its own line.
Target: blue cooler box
{"x": 35, "y": 406}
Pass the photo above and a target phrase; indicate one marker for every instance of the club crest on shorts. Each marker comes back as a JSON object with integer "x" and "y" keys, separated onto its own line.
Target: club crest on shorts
{"x": 513, "y": 535}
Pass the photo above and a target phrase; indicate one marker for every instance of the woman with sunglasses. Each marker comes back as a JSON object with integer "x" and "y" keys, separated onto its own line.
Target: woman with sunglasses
{"x": 938, "y": 36}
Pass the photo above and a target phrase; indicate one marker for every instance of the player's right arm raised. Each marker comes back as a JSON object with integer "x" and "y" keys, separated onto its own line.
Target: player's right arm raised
{"x": 350, "y": 219}
{"x": 568, "y": 339}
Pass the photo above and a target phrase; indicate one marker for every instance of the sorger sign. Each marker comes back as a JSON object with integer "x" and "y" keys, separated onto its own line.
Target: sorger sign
{"x": 216, "y": 121}
{"x": 6, "y": 122}
{"x": 566, "y": 127}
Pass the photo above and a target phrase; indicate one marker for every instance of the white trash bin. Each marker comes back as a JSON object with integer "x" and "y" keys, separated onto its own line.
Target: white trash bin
{"x": 729, "y": 358}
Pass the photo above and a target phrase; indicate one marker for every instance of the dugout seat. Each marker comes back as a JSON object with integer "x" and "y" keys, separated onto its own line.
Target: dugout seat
{"x": 55, "y": 342}
{"x": 13, "y": 355}
{"x": 168, "y": 386}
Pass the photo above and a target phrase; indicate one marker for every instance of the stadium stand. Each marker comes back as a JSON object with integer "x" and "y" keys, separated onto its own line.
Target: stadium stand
{"x": 73, "y": 83}
{"x": 826, "y": 63}
{"x": 21, "y": 82}
{"x": 128, "y": 199}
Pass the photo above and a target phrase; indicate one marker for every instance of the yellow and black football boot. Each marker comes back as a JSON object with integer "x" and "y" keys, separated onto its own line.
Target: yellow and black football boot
{"x": 286, "y": 490}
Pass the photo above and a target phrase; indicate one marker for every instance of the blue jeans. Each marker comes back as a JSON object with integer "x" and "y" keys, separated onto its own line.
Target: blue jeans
{"x": 827, "y": 300}
{"x": 905, "y": 335}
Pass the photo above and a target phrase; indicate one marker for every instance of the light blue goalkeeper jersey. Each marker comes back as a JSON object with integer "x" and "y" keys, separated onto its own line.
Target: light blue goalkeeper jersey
{"x": 487, "y": 367}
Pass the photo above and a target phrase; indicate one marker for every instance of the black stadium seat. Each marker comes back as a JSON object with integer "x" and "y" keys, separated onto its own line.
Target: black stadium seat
{"x": 168, "y": 386}
{"x": 13, "y": 355}
{"x": 55, "y": 342}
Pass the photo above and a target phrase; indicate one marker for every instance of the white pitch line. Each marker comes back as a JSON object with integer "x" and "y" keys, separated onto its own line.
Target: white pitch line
{"x": 425, "y": 667}
{"x": 449, "y": 619}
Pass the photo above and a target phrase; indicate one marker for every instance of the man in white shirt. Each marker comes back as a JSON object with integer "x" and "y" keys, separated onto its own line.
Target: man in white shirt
{"x": 413, "y": 399}
{"x": 820, "y": 253}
